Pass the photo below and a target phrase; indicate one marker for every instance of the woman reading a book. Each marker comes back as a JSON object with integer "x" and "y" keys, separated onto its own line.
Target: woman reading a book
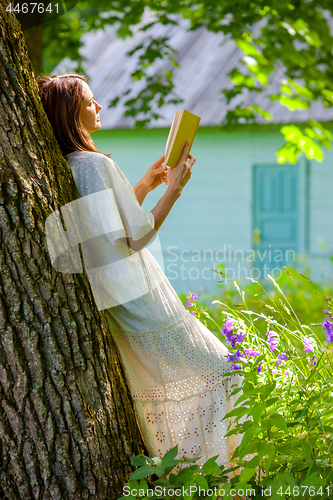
{"x": 173, "y": 364}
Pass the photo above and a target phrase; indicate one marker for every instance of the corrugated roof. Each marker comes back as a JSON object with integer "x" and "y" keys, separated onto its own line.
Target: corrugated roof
{"x": 204, "y": 57}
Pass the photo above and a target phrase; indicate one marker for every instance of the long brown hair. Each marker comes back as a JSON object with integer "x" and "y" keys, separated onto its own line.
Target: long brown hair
{"x": 61, "y": 96}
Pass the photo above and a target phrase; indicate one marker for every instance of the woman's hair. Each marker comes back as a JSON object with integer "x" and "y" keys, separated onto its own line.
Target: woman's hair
{"x": 61, "y": 96}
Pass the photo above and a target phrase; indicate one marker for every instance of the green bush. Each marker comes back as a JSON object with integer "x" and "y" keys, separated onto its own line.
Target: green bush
{"x": 282, "y": 349}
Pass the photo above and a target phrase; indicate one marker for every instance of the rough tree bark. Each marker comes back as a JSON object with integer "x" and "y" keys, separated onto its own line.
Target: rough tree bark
{"x": 67, "y": 426}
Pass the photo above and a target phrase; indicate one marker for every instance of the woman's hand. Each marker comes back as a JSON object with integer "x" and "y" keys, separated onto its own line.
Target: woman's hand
{"x": 178, "y": 176}
{"x": 155, "y": 175}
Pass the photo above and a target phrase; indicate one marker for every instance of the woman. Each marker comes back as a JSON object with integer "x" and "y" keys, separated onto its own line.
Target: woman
{"x": 173, "y": 364}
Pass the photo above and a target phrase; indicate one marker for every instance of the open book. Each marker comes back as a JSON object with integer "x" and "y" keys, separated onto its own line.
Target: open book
{"x": 183, "y": 129}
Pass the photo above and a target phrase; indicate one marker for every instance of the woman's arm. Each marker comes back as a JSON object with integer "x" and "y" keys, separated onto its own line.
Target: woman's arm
{"x": 140, "y": 191}
{"x": 177, "y": 178}
{"x": 160, "y": 212}
{"x": 154, "y": 177}
{"x": 164, "y": 205}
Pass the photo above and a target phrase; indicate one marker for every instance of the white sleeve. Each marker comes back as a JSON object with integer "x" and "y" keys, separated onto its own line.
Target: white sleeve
{"x": 152, "y": 218}
{"x": 95, "y": 173}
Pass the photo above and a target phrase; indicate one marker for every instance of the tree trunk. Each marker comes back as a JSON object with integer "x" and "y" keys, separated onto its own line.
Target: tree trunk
{"x": 67, "y": 426}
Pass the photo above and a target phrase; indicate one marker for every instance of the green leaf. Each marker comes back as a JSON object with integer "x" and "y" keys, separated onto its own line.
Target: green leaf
{"x": 210, "y": 467}
{"x": 133, "y": 484}
{"x": 237, "y": 390}
{"x": 189, "y": 460}
{"x": 328, "y": 94}
{"x": 187, "y": 485}
{"x": 286, "y": 89}
{"x": 159, "y": 471}
{"x": 250, "y": 434}
{"x": 289, "y": 479}
{"x": 246, "y": 474}
{"x": 241, "y": 486}
{"x": 138, "y": 460}
{"x": 186, "y": 473}
{"x": 170, "y": 456}
{"x": 262, "y": 112}
{"x": 269, "y": 450}
{"x": 257, "y": 411}
{"x": 271, "y": 401}
{"x": 201, "y": 481}
{"x": 142, "y": 472}
{"x": 288, "y": 152}
{"x": 252, "y": 447}
{"x": 236, "y": 430}
{"x": 266, "y": 389}
{"x": 172, "y": 479}
{"x": 292, "y": 103}
{"x": 278, "y": 421}
{"x": 237, "y": 412}
{"x": 247, "y": 47}
{"x": 248, "y": 394}
{"x": 263, "y": 80}
{"x": 314, "y": 480}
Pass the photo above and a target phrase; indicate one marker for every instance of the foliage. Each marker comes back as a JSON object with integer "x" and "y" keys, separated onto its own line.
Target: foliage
{"x": 283, "y": 412}
{"x": 290, "y": 37}
{"x": 174, "y": 481}
{"x": 306, "y": 297}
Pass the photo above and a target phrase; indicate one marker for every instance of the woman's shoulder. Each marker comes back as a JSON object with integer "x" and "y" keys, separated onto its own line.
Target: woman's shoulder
{"x": 87, "y": 154}
{"x": 89, "y": 158}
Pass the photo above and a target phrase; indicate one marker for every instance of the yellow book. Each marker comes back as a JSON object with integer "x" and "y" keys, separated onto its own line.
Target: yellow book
{"x": 183, "y": 129}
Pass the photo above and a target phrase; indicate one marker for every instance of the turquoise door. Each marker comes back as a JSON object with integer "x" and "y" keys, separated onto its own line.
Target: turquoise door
{"x": 275, "y": 219}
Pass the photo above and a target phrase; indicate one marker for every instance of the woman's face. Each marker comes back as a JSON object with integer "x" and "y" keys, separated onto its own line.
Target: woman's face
{"x": 89, "y": 110}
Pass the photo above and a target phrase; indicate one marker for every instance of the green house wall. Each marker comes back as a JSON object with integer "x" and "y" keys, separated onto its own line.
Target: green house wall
{"x": 213, "y": 220}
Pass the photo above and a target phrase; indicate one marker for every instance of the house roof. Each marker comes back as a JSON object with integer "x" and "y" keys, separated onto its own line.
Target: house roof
{"x": 204, "y": 60}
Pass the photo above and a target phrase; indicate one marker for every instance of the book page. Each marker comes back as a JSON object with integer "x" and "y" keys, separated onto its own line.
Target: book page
{"x": 171, "y": 135}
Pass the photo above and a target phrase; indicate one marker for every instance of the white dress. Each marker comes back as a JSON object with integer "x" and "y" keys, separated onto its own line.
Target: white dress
{"x": 173, "y": 364}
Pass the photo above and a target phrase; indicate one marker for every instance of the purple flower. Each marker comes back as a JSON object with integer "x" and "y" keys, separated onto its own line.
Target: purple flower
{"x": 194, "y": 297}
{"x": 227, "y": 331}
{"x": 232, "y": 342}
{"x": 273, "y": 345}
{"x": 237, "y": 356}
{"x": 251, "y": 352}
{"x": 188, "y": 304}
{"x": 308, "y": 344}
{"x": 272, "y": 339}
{"x": 235, "y": 367}
{"x": 228, "y": 325}
{"x": 313, "y": 359}
{"x": 259, "y": 368}
{"x": 329, "y": 331}
{"x": 230, "y": 357}
{"x": 281, "y": 357}
{"x": 240, "y": 337}
{"x": 193, "y": 313}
